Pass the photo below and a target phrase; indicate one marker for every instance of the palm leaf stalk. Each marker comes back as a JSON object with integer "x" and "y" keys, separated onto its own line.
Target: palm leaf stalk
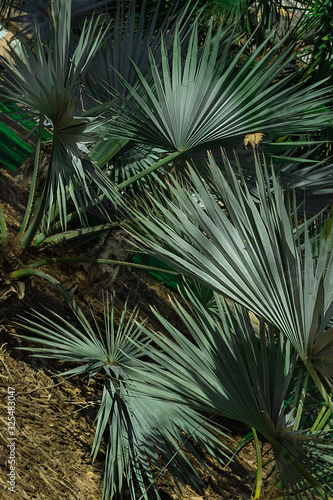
{"x": 140, "y": 431}
{"x": 41, "y": 203}
{"x": 37, "y": 272}
{"x": 253, "y": 258}
{"x": 301, "y": 401}
{"x": 258, "y": 482}
{"x": 323, "y": 420}
{"x": 3, "y": 228}
{"x": 224, "y": 366}
{"x": 66, "y": 260}
{"x": 31, "y": 199}
{"x": 113, "y": 193}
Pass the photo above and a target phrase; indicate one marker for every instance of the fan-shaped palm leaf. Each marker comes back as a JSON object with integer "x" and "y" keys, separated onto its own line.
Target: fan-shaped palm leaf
{"x": 254, "y": 258}
{"x": 141, "y": 431}
{"x": 232, "y": 371}
{"x": 211, "y": 101}
{"x": 46, "y": 82}
{"x": 127, "y": 47}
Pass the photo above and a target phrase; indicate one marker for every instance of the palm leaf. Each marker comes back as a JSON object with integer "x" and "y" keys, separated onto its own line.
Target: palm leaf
{"x": 304, "y": 174}
{"x": 253, "y": 258}
{"x": 140, "y": 431}
{"x": 128, "y": 45}
{"x": 129, "y": 41}
{"x": 46, "y": 81}
{"x": 211, "y": 101}
{"x": 221, "y": 365}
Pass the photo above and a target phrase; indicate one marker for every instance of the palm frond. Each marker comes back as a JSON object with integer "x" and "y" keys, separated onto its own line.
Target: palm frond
{"x": 303, "y": 174}
{"x": 127, "y": 47}
{"x": 140, "y": 431}
{"x": 249, "y": 254}
{"x": 46, "y": 81}
{"x": 129, "y": 41}
{"x": 222, "y": 365}
{"x": 215, "y": 101}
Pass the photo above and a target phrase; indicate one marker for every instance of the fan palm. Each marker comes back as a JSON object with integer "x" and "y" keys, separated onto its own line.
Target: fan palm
{"x": 253, "y": 255}
{"x": 140, "y": 431}
{"x": 247, "y": 15}
{"x": 212, "y": 101}
{"x": 46, "y": 82}
{"x": 128, "y": 42}
{"x": 228, "y": 369}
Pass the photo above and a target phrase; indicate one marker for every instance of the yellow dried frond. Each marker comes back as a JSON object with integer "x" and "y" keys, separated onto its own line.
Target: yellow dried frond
{"x": 253, "y": 139}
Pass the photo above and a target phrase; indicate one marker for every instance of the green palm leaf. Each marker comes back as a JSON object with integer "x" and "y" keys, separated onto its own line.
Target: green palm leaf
{"x": 217, "y": 100}
{"x": 222, "y": 365}
{"x": 47, "y": 82}
{"x": 128, "y": 45}
{"x": 141, "y": 431}
{"x": 129, "y": 41}
{"x": 250, "y": 255}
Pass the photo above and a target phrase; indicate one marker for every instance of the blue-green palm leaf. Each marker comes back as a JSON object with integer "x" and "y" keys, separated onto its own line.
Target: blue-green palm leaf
{"x": 251, "y": 254}
{"x": 224, "y": 366}
{"x": 217, "y": 100}
{"x": 129, "y": 41}
{"x": 127, "y": 47}
{"x": 47, "y": 82}
{"x": 141, "y": 431}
